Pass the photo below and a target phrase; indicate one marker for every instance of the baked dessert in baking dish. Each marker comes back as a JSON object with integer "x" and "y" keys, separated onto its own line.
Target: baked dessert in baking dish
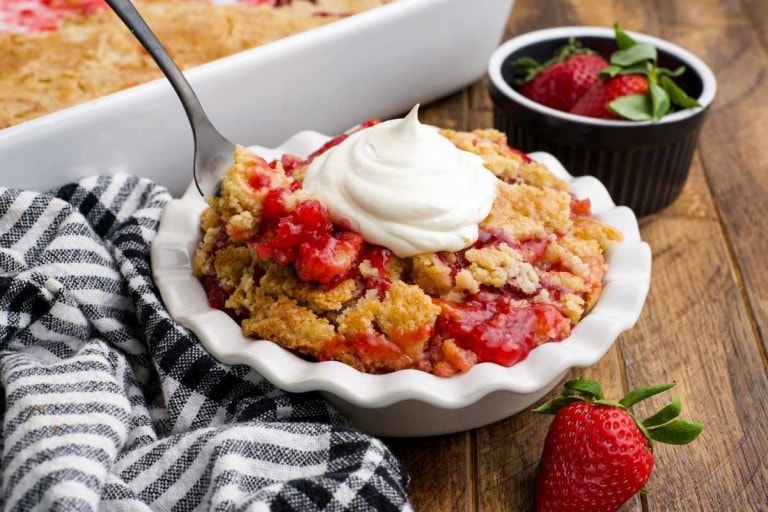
{"x": 401, "y": 246}
{"x": 58, "y": 53}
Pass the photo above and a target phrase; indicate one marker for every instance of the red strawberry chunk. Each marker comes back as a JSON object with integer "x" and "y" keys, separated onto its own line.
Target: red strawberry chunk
{"x": 216, "y": 295}
{"x": 378, "y": 257}
{"x": 291, "y": 163}
{"x": 283, "y": 232}
{"x": 274, "y": 206}
{"x": 288, "y": 234}
{"x": 262, "y": 174}
{"x": 497, "y": 330}
{"x": 259, "y": 180}
{"x": 313, "y": 216}
{"x": 329, "y": 258}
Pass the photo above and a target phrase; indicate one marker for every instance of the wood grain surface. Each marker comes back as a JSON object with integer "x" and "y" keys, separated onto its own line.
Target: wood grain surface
{"x": 706, "y": 318}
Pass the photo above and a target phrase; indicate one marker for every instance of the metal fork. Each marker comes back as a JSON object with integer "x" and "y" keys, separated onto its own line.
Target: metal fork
{"x": 214, "y": 153}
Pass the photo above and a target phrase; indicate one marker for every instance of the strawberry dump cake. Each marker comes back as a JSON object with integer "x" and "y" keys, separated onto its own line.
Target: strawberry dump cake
{"x": 57, "y": 53}
{"x": 402, "y": 246}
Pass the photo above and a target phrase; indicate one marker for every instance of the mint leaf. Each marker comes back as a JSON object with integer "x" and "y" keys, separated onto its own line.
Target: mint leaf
{"x": 636, "y": 107}
{"x": 633, "y": 55}
{"x": 677, "y": 432}
{"x": 623, "y": 41}
{"x": 659, "y": 101}
{"x": 676, "y": 94}
{"x": 609, "y": 72}
{"x": 644, "y": 68}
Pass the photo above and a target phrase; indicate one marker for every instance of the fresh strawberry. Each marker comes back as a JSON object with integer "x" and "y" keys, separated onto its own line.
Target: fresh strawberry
{"x": 632, "y": 86}
{"x": 561, "y": 85}
{"x": 597, "y": 455}
{"x": 595, "y": 102}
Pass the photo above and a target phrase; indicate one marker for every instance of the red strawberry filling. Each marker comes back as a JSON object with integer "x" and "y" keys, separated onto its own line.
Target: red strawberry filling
{"x": 216, "y": 295}
{"x": 498, "y": 329}
{"x": 329, "y": 258}
{"x": 378, "y": 257}
{"x": 305, "y": 236}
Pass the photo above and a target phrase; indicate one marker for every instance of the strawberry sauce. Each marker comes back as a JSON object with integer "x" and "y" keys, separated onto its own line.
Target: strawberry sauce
{"x": 497, "y": 329}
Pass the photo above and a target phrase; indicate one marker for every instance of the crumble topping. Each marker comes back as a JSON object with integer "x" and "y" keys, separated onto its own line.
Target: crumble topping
{"x": 499, "y": 266}
{"x": 272, "y": 258}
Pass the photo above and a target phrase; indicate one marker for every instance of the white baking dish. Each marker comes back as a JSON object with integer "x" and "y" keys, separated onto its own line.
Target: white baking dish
{"x": 376, "y": 64}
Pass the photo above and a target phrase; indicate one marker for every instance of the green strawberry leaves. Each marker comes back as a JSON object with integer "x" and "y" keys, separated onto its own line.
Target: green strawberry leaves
{"x": 671, "y": 72}
{"x": 676, "y": 432}
{"x": 555, "y": 404}
{"x": 526, "y": 68}
{"x": 665, "y": 415}
{"x": 584, "y": 387}
{"x": 576, "y": 390}
{"x": 664, "y": 426}
{"x": 663, "y": 93}
{"x": 655, "y": 105}
{"x": 640, "y": 394}
{"x": 664, "y": 96}
{"x": 614, "y": 70}
{"x": 676, "y": 94}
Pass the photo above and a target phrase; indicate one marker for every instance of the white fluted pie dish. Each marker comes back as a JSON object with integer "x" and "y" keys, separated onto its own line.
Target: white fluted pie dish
{"x": 409, "y": 402}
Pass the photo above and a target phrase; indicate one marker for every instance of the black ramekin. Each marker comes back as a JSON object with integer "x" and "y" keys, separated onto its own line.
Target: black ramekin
{"x": 644, "y": 165}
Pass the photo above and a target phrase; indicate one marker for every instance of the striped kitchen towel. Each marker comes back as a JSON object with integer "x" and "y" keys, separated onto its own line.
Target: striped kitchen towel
{"x": 108, "y": 404}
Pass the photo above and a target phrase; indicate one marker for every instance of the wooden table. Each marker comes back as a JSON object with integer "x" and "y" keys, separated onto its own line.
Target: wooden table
{"x": 705, "y": 323}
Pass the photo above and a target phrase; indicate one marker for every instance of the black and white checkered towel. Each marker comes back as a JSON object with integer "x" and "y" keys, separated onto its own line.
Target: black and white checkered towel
{"x": 108, "y": 404}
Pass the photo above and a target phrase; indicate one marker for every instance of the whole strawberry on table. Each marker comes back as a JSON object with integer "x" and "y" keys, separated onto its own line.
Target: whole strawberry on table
{"x": 577, "y": 80}
{"x": 597, "y": 454}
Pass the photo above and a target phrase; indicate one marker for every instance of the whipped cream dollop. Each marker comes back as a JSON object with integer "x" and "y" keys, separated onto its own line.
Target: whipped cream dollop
{"x": 402, "y": 185}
